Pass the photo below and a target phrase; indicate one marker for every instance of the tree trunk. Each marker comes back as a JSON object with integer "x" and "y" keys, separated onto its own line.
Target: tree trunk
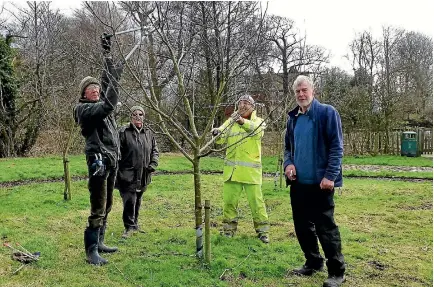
{"x": 198, "y": 205}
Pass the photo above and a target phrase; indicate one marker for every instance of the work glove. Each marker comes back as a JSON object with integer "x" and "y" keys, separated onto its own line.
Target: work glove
{"x": 106, "y": 42}
{"x": 235, "y": 116}
{"x": 215, "y": 132}
{"x": 98, "y": 166}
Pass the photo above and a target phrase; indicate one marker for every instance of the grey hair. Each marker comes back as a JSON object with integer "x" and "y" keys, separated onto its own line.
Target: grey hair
{"x": 302, "y": 79}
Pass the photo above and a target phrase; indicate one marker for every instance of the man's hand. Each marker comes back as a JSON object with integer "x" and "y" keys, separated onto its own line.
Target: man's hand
{"x": 236, "y": 117}
{"x": 290, "y": 172}
{"x": 215, "y": 132}
{"x": 106, "y": 42}
{"x": 327, "y": 184}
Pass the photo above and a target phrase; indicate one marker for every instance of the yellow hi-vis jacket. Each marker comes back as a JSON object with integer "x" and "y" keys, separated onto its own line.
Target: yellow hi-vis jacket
{"x": 243, "y": 155}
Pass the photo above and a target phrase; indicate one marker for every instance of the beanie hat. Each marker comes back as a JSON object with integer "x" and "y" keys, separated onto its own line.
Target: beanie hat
{"x": 86, "y": 82}
{"x": 135, "y": 108}
{"x": 246, "y": 98}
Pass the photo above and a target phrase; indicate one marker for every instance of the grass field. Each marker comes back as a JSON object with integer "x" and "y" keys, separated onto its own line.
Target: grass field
{"x": 52, "y": 167}
{"x": 386, "y": 229}
{"x": 391, "y": 160}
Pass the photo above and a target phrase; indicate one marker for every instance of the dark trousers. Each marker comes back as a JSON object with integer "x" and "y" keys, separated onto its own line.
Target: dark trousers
{"x": 132, "y": 201}
{"x": 313, "y": 214}
{"x": 101, "y": 195}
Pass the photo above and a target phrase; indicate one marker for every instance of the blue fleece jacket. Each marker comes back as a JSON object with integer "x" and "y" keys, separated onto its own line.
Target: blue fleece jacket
{"x": 327, "y": 142}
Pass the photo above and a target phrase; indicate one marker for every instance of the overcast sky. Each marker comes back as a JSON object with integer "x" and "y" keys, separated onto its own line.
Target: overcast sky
{"x": 333, "y": 24}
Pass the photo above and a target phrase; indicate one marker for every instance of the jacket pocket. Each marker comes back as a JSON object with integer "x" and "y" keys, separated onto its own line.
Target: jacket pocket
{"x": 127, "y": 174}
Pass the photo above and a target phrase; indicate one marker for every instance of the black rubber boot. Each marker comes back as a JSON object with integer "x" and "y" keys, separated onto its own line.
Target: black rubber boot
{"x": 101, "y": 246}
{"x": 91, "y": 246}
{"x": 307, "y": 270}
{"x": 334, "y": 281}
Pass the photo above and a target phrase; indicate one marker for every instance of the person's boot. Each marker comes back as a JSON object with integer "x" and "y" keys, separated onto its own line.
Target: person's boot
{"x": 101, "y": 246}
{"x": 334, "y": 281}
{"x": 137, "y": 228}
{"x": 307, "y": 270}
{"x": 229, "y": 228}
{"x": 127, "y": 233}
{"x": 91, "y": 246}
{"x": 264, "y": 238}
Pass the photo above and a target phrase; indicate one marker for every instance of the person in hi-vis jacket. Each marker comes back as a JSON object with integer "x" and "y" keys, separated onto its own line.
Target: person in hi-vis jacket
{"x": 242, "y": 133}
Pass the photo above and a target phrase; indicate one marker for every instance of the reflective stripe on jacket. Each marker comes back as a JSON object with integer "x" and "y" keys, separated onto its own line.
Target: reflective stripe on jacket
{"x": 243, "y": 155}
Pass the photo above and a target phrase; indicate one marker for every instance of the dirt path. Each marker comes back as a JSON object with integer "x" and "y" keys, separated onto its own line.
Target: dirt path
{"x": 386, "y": 167}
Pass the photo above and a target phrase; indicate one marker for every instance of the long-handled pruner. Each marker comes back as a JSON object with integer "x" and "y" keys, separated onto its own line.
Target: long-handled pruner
{"x": 143, "y": 35}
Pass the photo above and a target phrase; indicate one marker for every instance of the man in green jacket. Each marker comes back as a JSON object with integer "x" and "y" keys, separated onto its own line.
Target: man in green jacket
{"x": 94, "y": 114}
{"x": 242, "y": 133}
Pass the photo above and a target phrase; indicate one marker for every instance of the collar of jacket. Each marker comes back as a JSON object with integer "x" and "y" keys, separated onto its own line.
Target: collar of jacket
{"x": 130, "y": 127}
{"x": 311, "y": 112}
{"x": 252, "y": 116}
{"x": 84, "y": 100}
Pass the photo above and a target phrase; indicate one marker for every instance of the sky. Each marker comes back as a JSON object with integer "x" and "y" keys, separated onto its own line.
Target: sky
{"x": 333, "y": 24}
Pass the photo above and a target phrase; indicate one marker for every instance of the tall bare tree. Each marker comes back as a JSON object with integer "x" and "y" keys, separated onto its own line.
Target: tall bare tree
{"x": 415, "y": 68}
{"x": 292, "y": 54}
{"x": 35, "y": 30}
{"x": 193, "y": 57}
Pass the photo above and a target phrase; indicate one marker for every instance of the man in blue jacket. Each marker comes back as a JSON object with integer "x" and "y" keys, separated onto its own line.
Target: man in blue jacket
{"x": 312, "y": 164}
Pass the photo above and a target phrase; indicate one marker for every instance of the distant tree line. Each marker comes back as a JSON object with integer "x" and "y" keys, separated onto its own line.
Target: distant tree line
{"x": 194, "y": 57}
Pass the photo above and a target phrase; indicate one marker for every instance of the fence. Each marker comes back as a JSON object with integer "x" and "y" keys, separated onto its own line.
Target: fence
{"x": 355, "y": 142}
{"x": 384, "y": 142}
{"x": 360, "y": 142}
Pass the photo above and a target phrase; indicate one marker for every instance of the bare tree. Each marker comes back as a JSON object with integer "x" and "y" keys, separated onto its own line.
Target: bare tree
{"x": 193, "y": 58}
{"x": 34, "y": 29}
{"x": 388, "y": 91}
{"x": 291, "y": 53}
{"x": 365, "y": 58}
{"x": 415, "y": 67}
{"x": 391, "y": 73}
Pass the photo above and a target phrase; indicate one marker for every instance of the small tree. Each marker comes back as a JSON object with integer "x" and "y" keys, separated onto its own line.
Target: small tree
{"x": 204, "y": 49}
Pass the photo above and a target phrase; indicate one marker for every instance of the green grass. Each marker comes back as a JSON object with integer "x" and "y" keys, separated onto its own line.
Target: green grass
{"x": 52, "y": 167}
{"x": 386, "y": 229}
{"x": 392, "y": 160}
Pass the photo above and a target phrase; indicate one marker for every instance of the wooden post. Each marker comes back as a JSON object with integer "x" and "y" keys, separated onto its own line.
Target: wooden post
{"x": 67, "y": 176}
{"x": 67, "y": 191}
{"x": 379, "y": 142}
{"x": 398, "y": 145}
{"x": 422, "y": 142}
{"x": 281, "y": 171}
{"x": 207, "y": 233}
